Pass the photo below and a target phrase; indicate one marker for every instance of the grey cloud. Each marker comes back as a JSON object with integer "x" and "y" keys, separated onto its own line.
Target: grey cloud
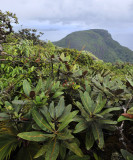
{"x": 69, "y": 10}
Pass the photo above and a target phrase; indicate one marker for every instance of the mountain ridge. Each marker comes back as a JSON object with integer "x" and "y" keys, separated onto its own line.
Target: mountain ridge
{"x": 99, "y": 42}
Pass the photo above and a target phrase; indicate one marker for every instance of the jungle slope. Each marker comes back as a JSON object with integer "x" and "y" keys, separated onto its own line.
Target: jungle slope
{"x": 99, "y": 42}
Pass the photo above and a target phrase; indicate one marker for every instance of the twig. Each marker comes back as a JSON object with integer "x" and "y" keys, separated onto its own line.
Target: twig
{"x": 122, "y": 137}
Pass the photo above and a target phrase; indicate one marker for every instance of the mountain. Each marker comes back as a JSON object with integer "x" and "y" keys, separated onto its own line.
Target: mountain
{"x": 99, "y": 42}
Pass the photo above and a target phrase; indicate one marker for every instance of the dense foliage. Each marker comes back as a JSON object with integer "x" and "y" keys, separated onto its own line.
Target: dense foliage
{"x": 100, "y": 43}
{"x": 63, "y": 104}
{"x": 29, "y": 34}
{"x": 5, "y": 24}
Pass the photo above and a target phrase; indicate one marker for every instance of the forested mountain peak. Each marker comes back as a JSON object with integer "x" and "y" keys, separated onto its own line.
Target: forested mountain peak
{"x": 99, "y": 42}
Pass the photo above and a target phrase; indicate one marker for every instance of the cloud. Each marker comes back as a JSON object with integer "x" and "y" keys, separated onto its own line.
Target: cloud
{"x": 72, "y": 15}
{"x": 70, "y": 10}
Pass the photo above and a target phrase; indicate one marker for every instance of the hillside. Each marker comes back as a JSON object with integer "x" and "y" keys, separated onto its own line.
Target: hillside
{"x": 99, "y": 42}
{"x": 62, "y": 104}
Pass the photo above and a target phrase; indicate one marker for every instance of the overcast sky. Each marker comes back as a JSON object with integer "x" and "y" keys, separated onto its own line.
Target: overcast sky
{"x": 57, "y": 18}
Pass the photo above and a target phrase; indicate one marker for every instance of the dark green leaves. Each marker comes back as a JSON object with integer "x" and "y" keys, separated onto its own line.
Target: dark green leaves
{"x": 4, "y": 116}
{"x": 89, "y": 139}
{"x": 26, "y": 87}
{"x": 74, "y": 148}
{"x": 98, "y": 135}
{"x": 122, "y": 118}
{"x": 94, "y": 118}
{"x": 52, "y": 151}
{"x": 126, "y": 154}
{"x": 60, "y": 108}
{"x": 80, "y": 126}
{"x": 67, "y": 120}
{"x": 41, "y": 122}
{"x": 100, "y": 104}
{"x": 87, "y": 102}
{"x": 39, "y": 86}
{"x": 34, "y": 136}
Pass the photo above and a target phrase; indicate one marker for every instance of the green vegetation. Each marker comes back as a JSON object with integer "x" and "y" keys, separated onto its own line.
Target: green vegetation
{"x": 100, "y": 43}
{"x": 63, "y": 104}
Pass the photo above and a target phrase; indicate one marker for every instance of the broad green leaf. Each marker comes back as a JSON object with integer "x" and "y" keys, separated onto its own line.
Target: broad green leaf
{"x": 89, "y": 140}
{"x": 97, "y": 84}
{"x": 62, "y": 151}
{"x": 67, "y": 58}
{"x": 66, "y": 111}
{"x": 87, "y": 86}
{"x": 74, "y": 67}
{"x": 39, "y": 86}
{"x": 100, "y": 104}
{"x": 66, "y": 135}
{"x": 130, "y": 111}
{"x": 67, "y": 120}
{"x": 98, "y": 135}
{"x": 123, "y": 118}
{"x": 87, "y": 102}
{"x": 46, "y": 113}
{"x": 100, "y": 116}
{"x": 109, "y": 127}
{"x": 38, "y": 99}
{"x": 41, "y": 122}
{"x": 130, "y": 81}
{"x": 4, "y": 116}
{"x": 60, "y": 108}
{"x": 1, "y": 103}
{"x": 21, "y": 102}
{"x": 26, "y": 87}
{"x": 109, "y": 110}
{"x": 62, "y": 56}
{"x": 48, "y": 84}
{"x": 57, "y": 94}
{"x": 52, "y": 110}
{"x": 7, "y": 103}
{"x": 35, "y": 136}
{"x": 83, "y": 112}
{"x": 74, "y": 148}
{"x": 77, "y": 73}
{"x": 127, "y": 155}
{"x": 42, "y": 151}
{"x": 80, "y": 127}
{"x": 105, "y": 121}
{"x": 78, "y": 118}
{"x": 96, "y": 156}
{"x": 53, "y": 151}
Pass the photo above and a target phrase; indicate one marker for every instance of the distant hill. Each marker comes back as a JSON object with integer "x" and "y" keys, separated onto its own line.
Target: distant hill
{"x": 99, "y": 42}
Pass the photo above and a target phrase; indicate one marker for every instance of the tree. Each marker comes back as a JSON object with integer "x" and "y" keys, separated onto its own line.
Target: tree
{"x": 30, "y": 34}
{"x": 5, "y": 25}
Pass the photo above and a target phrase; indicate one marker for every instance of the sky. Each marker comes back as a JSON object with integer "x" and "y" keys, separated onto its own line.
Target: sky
{"x": 58, "y": 18}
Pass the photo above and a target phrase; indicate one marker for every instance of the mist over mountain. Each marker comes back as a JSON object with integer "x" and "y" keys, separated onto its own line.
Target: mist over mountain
{"x": 99, "y": 42}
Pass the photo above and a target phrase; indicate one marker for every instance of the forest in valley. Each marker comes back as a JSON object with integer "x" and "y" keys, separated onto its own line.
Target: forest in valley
{"x": 60, "y": 103}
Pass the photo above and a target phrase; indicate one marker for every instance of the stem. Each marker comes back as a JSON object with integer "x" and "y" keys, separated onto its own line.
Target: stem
{"x": 16, "y": 126}
{"x": 122, "y": 138}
